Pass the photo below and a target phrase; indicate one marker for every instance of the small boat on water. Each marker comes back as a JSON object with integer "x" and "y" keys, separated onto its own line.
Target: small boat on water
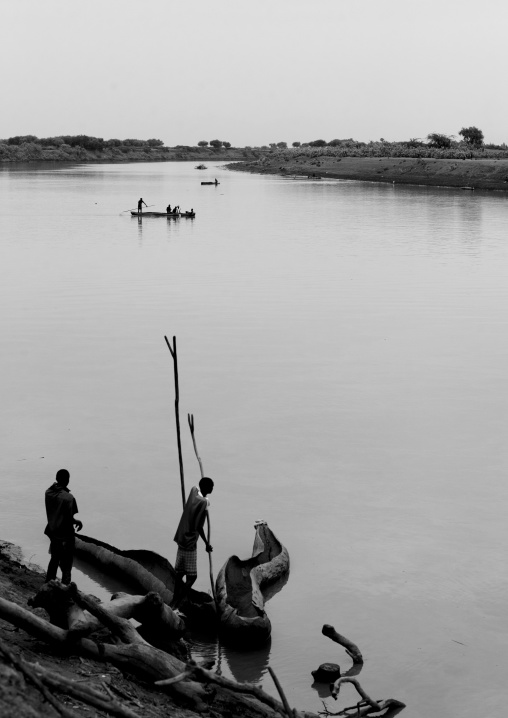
{"x": 146, "y": 571}
{"x": 242, "y": 587}
{"x": 171, "y": 215}
{"x": 215, "y": 183}
{"x": 468, "y": 187}
{"x": 200, "y": 167}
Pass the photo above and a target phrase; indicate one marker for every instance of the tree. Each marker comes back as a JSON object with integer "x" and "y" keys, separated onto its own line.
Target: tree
{"x": 227, "y": 145}
{"x": 203, "y": 143}
{"x": 472, "y": 136}
{"x": 155, "y": 143}
{"x": 21, "y": 139}
{"x": 296, "y": 144}
{"x": 216, "y": 143}
{"x": 282, "y": 145}
{"x": 438, "y": 140}
{"x": 318, "y": 143}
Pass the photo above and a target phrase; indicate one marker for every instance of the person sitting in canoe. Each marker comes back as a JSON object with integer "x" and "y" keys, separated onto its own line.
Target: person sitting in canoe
{"x": 176, "y": 209}
{"x": 216, "y": 181}
{"x": 189, "y": 530}
{"x": 168, "y": 209}
{"x": 141, "y": 202}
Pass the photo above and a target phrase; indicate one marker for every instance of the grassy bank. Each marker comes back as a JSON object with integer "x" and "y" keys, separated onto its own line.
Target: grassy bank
{"x": 484, "y": 173}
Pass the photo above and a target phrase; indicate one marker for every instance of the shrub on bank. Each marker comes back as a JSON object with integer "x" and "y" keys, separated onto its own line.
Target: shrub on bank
{"x": 411, "y": 149}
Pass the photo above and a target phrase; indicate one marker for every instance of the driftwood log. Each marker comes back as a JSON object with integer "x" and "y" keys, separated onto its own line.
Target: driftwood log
{"x": 351, "y": 649}
{"x": 160, "y": 625}
{"x": 136, "y": 657}
{"x": 367, "y": 706}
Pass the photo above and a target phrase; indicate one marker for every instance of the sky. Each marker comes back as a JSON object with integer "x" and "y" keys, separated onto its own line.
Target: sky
{"x": 252, "y": 73}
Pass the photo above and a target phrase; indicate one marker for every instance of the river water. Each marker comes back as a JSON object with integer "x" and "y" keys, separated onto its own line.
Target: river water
{"x": 343, "y": 348}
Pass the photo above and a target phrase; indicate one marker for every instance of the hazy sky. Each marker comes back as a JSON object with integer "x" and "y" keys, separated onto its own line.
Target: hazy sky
{"x": 253, "y": 72}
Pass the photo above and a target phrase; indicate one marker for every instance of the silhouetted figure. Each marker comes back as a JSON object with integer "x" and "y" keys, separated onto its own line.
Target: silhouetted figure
{"x": 168, "y": 209}
{"x": 60, "y": 509}
{"x": 189, "y": 530}
{"x": 216, "y": 181}
{"x": 141, "y": 202}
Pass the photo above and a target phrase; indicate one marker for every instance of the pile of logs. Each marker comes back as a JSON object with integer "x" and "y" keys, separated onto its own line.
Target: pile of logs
{"x": 76, "y": 617}
{"x": 153, "y": 652}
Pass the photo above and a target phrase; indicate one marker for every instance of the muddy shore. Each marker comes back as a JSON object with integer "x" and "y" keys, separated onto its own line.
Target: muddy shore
{"x": 477, "y": 174}
{"x": 19, "y": 698}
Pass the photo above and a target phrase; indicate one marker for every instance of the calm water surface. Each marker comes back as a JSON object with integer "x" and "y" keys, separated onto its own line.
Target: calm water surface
{"x": 343, "y": 348}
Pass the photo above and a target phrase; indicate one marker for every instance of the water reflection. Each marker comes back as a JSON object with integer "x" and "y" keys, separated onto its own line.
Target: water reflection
{"x": 247, "y": 667}
{"x": 100, "y": 578}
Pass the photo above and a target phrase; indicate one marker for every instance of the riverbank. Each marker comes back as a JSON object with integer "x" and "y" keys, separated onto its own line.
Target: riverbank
{"x": 20, "y": 698}
{"x": 482, "y": 174}
{"x": 33, "y": 152}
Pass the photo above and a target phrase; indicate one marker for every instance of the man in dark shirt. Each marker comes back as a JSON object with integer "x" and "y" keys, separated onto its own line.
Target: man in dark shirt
{"x": 60, "y": 509}
{"x": 141, "y": 202}
{"x": 189, "y": 530}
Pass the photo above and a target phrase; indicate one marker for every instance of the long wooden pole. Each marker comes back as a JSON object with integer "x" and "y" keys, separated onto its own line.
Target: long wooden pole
{"x": 190, "y": 419}
{"x": 132, "y": 209}
{"x": 172, "y": 350}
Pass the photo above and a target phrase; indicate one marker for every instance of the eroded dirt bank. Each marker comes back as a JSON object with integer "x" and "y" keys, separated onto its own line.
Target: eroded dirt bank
{"x": 484, "y": 174}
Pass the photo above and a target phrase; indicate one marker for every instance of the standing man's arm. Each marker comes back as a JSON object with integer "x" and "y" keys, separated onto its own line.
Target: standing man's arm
{"x": 209, "y": 547}
{"x": 76, "y": 522}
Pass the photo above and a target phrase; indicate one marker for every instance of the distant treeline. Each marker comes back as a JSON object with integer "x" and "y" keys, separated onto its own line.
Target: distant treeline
{"x": 83, "y": 148}
{"x": 74, "y": 147}
{"x": 382, "y": 148}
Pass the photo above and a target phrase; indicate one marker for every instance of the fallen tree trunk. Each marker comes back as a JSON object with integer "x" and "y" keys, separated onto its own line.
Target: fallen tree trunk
{"x": 142, "y": 660}
{"x": 150, "y": 610}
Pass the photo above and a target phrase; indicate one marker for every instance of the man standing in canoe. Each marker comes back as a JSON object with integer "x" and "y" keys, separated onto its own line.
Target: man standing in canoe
{"x": 189, "y": 530}
{"x": 60, "y": 509}
{"x": 141, "y": 202}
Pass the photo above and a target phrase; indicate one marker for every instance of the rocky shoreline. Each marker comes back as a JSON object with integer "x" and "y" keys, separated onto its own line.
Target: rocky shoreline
{"x": 470, "y": 174}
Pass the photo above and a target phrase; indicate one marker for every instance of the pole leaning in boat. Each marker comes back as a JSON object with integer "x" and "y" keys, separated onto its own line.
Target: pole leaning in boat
{"x": 190, "y": 418}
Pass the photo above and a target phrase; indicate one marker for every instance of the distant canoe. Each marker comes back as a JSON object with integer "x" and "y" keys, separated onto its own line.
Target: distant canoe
{"x": 216, "y": 183}
{"x": 467, "y": 187}
{"x": 200, "y": 167}
{"x": 241, "y": 589}
{"x": 171, "y": 215}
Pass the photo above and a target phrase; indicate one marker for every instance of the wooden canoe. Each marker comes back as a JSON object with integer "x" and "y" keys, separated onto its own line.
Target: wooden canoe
{"x": 171, "y": 215}
{"x": 242, "y": 587}
{"x": 215, "y": 183}
{"x": 146, "y": 571}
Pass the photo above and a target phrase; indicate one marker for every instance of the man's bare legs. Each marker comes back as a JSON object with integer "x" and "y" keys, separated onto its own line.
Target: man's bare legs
{"x": 182, "y": 588}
